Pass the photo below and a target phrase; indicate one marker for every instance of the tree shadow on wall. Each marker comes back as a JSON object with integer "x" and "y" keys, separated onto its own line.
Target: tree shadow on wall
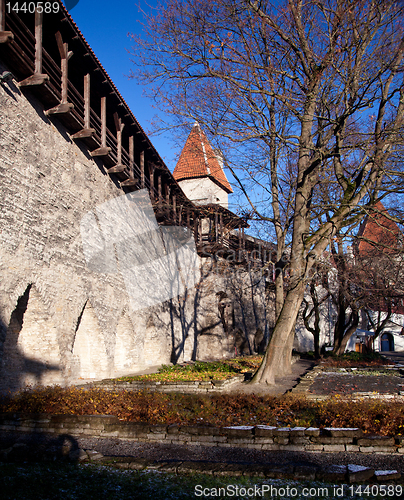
{"x": 16, "y": 369}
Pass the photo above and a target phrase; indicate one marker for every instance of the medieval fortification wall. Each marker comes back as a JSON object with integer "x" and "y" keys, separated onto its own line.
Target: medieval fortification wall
{"x": 60, "y": 322}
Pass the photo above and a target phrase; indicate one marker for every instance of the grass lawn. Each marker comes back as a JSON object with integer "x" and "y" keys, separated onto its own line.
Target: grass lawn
{"x": 201, "y": 370}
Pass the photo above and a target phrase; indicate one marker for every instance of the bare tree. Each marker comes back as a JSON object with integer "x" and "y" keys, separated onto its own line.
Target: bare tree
{"x": 319, "y": 293}
{"x": 320, "y": 82}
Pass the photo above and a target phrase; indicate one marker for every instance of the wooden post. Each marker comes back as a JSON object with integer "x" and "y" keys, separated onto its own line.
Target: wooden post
{"x": 103, "y": 122}
{"x": 180, "y": 215}
{"x": 103, "y": 150}
{"x": 38, "y": 78}
{"x": 188, "y": 218}
{"x": 131, "y": 181}
{"x": 216, "y": 227}
{"x": 200, "y": 231}
{"x": 2, "y": 15}
{"x": 119, "y": 127}
{"x": 87, "y": 89}
{"x": 132, "y": 153}
{"x": 142, "y": 178}
{"x": 221, "y": 228}
{"x": 119, "y": 167}
{"x": 86, "y": 131}
{"x": 151, "y": 175}
{"x": 65, "y": 55}
{"x": 38, "y": 41}
{"x": 196, "y": 226}
{"x": 167, "y": 200}
{"x": 5, "y": 36}
{"x": 239, "y": 237}
{"x": 160, "y": 194}
{"x": 175, "y": 208}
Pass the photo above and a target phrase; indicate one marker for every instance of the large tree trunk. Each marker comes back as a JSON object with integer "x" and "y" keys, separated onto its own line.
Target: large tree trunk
{"x": 275, "y": 363}
{"x": 348, "y": 334}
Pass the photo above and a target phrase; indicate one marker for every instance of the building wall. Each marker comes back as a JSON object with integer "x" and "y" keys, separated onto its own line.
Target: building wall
{"x": 60, "y": 322}
{"x": 203, "y": 191}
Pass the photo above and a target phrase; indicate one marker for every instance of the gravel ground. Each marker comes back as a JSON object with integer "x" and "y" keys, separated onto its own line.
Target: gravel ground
{"x": 161, "y": 452}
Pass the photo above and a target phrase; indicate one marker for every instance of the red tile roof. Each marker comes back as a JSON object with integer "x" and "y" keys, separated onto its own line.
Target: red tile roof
{"x": 198, "y": 159}
{"x": 379, "y": 229}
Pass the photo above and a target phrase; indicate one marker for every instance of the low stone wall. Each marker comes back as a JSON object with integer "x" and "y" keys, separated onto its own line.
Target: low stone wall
{"x": 258, "y": 437}
{"x": 210, "y": 386}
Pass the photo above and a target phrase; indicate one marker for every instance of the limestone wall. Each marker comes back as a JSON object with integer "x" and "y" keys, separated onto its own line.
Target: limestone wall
{"x": 60, "y": 322}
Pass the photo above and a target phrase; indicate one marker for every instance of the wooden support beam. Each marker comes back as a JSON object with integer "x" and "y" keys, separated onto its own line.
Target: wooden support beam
{"x": 131, "y": 182}
{"x": 167, "y": 210}
{"x": 180, "y": 215}
{"x": 83, "y": 133}
{"x": 142, "y": 178}
{"x": 34, "y": 80}
{"x": 38, "y": 41}
{"x": 160, "y": 193}
{"x": 132, "y": 153}
{"x": 175, "y": 208}
{"x": 38, "y": 78}
{"x": 5, "y": 36}
{"x": 103, "y": 150}
{"x": 116, "y": 169}
{"x": 119, "y": 127}
{"x": 61, "y": 109}
{"x": 239, "y": 237}
{"x": 87, "y": 131}
{"x": 65, "y": 55}
{"x": 151, "y": 174}
{"x": 196, "y": 226}
{"x": 200, "y": 231}
{"x": 2, "y": 15}
{"x": 216, "y": 227}
{"x": 188, "y": 218}
{"x": 87, "y": 89}
{"x": 221, "y": 228}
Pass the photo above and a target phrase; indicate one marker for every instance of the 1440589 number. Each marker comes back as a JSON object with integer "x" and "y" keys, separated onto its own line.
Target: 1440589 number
{"x": 376, "y": 490}
{"x": 31, "y": 7}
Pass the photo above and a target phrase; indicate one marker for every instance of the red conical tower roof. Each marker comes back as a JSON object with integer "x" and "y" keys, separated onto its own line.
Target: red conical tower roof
{"x": 380, "y": 230}
{"x": 198, "y": 159}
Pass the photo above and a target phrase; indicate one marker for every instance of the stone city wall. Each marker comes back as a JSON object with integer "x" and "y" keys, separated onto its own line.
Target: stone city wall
{"x": 62, "y": 323}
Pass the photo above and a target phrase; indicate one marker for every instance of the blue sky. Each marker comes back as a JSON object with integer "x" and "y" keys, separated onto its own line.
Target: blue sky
{"x": 105, "y": 25}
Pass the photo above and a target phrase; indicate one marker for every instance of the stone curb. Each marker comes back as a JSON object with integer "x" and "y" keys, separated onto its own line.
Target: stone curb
{"x": 351, "y": 473}
{"x": 337, "y": 473}
{"x": 202, "y": 386}
{"x": 260, "y": 437}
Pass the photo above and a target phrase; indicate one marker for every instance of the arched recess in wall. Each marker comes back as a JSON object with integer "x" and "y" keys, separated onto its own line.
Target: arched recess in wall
{"x": 31, "y": 350}
{"x": 90, "y": 359}
{"x": 128, "y": 346}
{"x": 156, "y": 350}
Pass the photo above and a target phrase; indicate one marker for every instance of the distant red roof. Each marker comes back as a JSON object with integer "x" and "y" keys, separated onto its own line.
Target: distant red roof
{"x": 380, "y": 230}
{"x": 199, "y": 160}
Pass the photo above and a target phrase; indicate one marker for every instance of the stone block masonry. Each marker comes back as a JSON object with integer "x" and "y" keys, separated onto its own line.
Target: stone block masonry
{"x": 61, "y": 323}
{"x": 260, "y": 437}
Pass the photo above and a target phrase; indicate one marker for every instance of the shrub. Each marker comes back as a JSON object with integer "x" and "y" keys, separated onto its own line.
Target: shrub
{"x": 372, "y": 416}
